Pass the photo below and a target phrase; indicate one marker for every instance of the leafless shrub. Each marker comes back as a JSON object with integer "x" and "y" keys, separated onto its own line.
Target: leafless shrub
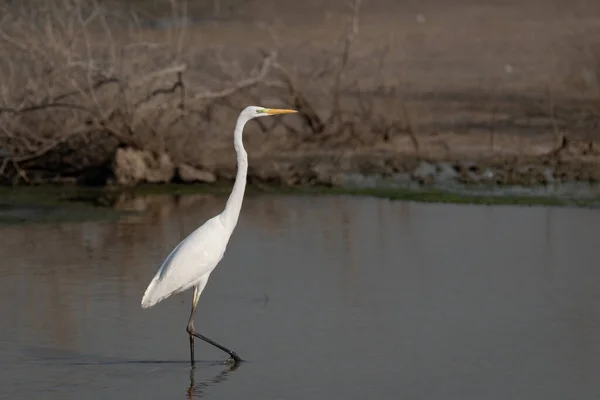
{"x": 80, "y": 79}
{"x": 76, "y": 74}
{"x": 340, "y": 96}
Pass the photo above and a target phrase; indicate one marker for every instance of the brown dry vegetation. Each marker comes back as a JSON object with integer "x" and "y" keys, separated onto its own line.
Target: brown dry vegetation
{"x": 378, "y": 85}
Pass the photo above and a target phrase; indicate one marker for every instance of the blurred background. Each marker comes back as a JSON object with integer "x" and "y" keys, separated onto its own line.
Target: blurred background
{"x": 508, "y": 90}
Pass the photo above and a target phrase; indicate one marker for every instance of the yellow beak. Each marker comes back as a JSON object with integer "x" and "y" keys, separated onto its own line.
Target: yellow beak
{"x": 273, "y": 111}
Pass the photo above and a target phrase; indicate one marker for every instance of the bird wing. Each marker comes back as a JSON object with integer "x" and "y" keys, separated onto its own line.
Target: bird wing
{"x": 196, "y": 256}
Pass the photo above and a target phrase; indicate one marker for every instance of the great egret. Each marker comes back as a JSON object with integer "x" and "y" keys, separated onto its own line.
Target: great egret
{"x": 192, "y": 261}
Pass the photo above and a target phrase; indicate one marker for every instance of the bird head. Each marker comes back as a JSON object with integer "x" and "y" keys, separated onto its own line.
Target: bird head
{"x": 256, "y": 111}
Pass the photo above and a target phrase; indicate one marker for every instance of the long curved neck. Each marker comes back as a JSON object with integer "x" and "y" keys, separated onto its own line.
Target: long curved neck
{"x": 234, "y": 203}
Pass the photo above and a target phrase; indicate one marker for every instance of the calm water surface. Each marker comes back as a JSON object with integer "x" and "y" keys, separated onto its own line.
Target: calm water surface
{"x": 326, "y": 297}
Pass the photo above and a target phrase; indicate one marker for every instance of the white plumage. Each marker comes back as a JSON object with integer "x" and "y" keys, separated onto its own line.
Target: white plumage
{"x": 192, "y": 261}
{"x": 203, "y": 249}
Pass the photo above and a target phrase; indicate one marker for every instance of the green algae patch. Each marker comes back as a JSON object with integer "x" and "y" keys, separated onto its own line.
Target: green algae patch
{"x": 63, "y": 204}
{"x": 443, "y": 196}
{"x": 51, "y": 204}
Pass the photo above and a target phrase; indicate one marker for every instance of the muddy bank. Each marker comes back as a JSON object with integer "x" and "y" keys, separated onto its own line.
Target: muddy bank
{"x": 335, "y": 169}
{"x": 338, "y": 171}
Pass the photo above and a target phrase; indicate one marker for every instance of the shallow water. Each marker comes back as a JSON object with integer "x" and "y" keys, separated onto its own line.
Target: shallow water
{"x": 325, "y": 297}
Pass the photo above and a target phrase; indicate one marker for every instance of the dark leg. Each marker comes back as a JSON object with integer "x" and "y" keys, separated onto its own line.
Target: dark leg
{"x": 192, "y": 332}
{"x": 192, "y": 350}
{"x": 191, "y": 322}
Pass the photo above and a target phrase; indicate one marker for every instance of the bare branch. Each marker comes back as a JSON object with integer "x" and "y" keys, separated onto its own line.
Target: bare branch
{"x": 345, "y": 56}
{"x": 242, "y": 84}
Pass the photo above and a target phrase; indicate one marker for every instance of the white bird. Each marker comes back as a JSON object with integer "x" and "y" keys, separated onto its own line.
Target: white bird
{"x": 192, "y": 261}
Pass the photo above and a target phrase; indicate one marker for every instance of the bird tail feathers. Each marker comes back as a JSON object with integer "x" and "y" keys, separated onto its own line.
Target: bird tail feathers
{"x": 154, "y": 294}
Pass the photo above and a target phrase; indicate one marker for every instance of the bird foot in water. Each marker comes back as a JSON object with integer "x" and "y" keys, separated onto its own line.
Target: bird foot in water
{"x": 234, "y": 359}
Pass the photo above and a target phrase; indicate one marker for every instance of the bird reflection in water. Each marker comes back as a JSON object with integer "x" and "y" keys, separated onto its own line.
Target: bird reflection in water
{"x": 196, "y": 390}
